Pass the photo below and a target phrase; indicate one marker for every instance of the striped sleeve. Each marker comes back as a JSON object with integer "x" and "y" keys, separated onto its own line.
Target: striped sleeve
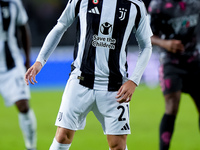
{"x": 53, "y": 38}
{"x": 69, "y": 14}
{"x": 144, "y": 30}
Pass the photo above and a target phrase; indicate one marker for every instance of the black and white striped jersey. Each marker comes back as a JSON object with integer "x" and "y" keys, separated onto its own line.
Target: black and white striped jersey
{"x": 12, "y": 14}
{"x": 103, "y": 31}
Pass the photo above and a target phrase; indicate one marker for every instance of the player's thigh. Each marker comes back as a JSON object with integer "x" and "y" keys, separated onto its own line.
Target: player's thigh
{"x": 170, "y": 78}
{"x": 115, "y": 116}
{"x": 13, "y": 87}
{"x": 77, "y": 101}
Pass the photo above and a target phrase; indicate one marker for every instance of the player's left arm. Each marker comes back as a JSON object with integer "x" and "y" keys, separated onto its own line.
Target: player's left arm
{"x": 127, "y": 89}
{"x": 142, "y": 34}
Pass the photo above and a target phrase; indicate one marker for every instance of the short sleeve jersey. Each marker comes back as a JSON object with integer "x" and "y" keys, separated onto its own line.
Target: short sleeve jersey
{"x": 103, "y": 31}
{"x": 176, "y": 19}
{"x": 12, "y": 15}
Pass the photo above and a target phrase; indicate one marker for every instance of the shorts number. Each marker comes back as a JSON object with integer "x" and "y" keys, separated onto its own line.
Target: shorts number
{"x": 122, "y": 113}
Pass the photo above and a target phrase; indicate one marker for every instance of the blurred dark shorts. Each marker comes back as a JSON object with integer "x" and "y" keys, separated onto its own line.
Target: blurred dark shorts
{"x": 184, "y": 76}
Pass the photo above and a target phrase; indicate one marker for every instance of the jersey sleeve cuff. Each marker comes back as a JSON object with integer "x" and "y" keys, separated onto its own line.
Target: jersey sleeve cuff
{"x": 135, "y": 80}
{"x": 42, "y": 61}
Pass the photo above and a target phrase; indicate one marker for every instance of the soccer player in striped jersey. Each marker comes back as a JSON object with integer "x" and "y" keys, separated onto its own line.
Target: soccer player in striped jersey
{"x": 98, "y": 81}
{"x": 14, "y": 29}
{"x": 175, "y": 27}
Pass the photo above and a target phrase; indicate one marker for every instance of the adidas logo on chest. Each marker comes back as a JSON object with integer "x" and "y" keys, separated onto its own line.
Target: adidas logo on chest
{"x": 94, "y": 10}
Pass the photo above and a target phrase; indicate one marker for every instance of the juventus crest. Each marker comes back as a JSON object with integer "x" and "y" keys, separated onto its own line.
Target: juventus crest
{"x": 123, "y": 13}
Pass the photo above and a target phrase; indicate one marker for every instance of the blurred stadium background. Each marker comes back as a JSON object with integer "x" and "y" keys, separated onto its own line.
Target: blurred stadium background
{"x": 147, "y": 105}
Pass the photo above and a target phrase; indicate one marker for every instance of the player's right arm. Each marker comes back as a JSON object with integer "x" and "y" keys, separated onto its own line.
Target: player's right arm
{"x": 52, "y": 40}
{"x": 48, "y": 47}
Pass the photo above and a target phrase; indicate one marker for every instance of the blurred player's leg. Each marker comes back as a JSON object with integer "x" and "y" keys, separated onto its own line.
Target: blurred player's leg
{"x": 28, "y": 124}
{"x": 168, "y": 120}
{"x": 166, "y": 131}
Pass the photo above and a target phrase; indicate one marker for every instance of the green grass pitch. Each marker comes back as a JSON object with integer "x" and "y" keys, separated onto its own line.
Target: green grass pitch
{"x": 146, "y": 110}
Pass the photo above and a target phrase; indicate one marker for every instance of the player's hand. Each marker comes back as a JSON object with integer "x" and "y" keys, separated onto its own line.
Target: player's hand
{"x": 126, "y": 91}
{"x": 174, "y": 46}
{"x": 32, "y": 72}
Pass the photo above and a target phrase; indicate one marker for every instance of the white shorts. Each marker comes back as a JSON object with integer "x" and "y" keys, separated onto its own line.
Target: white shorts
{"x": 78, "y": 101}
{"x": 13, "y": 87}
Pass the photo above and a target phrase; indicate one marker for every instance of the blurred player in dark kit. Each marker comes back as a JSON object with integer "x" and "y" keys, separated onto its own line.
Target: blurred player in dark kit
{"x": 175, "y": 27}
{"x": 14, "y": 29}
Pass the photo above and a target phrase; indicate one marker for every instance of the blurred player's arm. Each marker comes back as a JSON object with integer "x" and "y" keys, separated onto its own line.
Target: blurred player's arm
{"x": 171, "y": 45}
{"x": 25, "y": 38}
{"x": 157, "y": 26}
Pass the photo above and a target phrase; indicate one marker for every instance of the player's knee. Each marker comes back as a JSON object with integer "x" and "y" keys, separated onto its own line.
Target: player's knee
{"x": 172, "y": 103}
{"x": 22, "y": 106}
{"x": 117, "y": 142}
{"x": 117, "y": 146}
{"x": 172, "y": 109}
{"x": 64, "y": 136}
{"x": 63, "y": 139}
